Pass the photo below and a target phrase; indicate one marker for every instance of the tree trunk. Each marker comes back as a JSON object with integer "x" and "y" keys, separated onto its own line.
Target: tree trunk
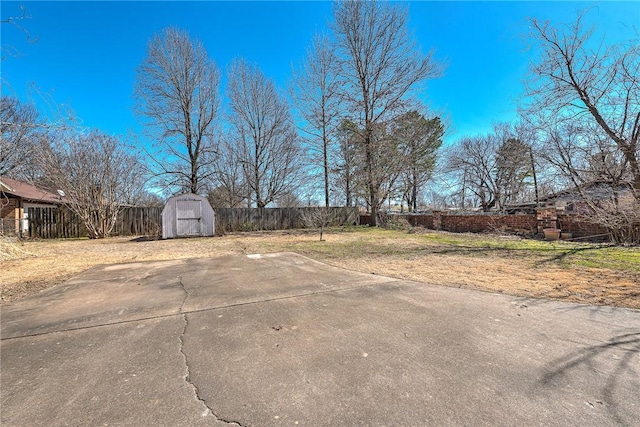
{"x": 373, "y": 199}
{"x": 326, "y": 166}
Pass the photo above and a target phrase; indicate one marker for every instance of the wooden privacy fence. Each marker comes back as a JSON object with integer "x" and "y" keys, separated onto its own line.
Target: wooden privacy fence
{"x": 139, "y": 221}
{"x": 50, "y": 223}
{"x": 256, "y": 219}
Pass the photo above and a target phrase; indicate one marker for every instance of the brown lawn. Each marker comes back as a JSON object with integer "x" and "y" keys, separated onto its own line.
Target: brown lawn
{"x": 592, "y": 274}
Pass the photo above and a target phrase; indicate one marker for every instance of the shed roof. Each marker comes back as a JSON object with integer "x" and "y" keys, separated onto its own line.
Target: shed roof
{"x": 27, "y": 191}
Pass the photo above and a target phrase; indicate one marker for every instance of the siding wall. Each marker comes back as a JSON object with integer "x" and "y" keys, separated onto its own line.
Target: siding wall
{"x": 187, "y": 215}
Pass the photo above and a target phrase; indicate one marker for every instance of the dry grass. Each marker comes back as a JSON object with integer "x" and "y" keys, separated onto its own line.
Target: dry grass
{"x": 12, "y": 248}
{"x": 592, "y": 274}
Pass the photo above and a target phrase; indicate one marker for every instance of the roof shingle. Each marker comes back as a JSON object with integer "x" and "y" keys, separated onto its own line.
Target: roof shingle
{"x": 27, "y": 191}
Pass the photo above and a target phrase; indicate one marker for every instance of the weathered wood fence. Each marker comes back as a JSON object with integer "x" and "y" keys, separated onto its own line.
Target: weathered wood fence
{"x": 255, "y": 219}
{"x": 49, "y": 223}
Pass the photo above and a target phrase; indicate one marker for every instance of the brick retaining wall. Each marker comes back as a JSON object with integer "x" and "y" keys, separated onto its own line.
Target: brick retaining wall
{"x": 581, "y": 228}
{"x": 521, "y": 224}
{"x": 425, "y": 221}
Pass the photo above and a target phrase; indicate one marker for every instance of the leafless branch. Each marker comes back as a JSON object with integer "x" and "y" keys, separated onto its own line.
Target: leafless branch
{"x": 177, "y": 92}
{"x": 264, "y": 135}
{"x": 380, "y": 66}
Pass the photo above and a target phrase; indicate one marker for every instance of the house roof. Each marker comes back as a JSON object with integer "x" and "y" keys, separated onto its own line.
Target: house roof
{"x": 27, "y": 191}
{"x": 595, "y": 190}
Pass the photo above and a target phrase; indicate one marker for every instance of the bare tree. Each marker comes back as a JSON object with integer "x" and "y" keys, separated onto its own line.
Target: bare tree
{"x": 146, "y": 198}
{"x": 345, "y": 167}
{"x": 16, "y": 22}
{"x": 514, "y": 167}
{"x": 265, "y": 136}
{"x": 316, "y": 93}
{"x": 586, "y": 163}
{"x": 387, "y": 163}
{"x": 494, "y": 167}
{"x": 177, "y": 91}
{"x": 585, "y": 101}
{"x": 597, "y": 87}
{"x": 419, "y": 140}
{"x": 472, "y": 160}
{"x": 351, "y": 169}
{"x": 97, "y": 173}
{"x": 230, "y": 189}
{"x": 380, "y": 65}
{"x": 320, "y": 217}
{"x": 20, "y": 131}
{"x": 288, "y": 199}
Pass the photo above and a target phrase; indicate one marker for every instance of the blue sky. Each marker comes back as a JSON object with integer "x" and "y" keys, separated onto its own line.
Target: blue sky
{"x": 86, "y": 53}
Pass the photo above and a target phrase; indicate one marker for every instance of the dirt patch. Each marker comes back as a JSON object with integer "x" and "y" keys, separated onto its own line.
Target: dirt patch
{"x": 498, "y": 264}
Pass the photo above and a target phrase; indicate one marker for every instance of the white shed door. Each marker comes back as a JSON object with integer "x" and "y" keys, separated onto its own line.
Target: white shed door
{"x": 189, "y": 217}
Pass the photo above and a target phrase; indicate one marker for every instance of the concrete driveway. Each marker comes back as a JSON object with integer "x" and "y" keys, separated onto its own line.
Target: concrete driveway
{"x": 283, "y": 340}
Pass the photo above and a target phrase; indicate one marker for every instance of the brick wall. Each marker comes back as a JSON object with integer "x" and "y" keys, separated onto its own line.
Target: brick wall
{"x": 578, "y": 227}
{"x": 425, "y": 221}
{"x": 522, "y": 224}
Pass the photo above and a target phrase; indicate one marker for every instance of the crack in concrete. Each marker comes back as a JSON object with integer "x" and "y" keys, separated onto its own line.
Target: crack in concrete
{"x": 199, "y": 310}
{"x": 208, "y": 410}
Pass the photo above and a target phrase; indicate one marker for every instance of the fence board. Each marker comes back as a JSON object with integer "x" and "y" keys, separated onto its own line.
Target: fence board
{"x": 256, "y": 219}
{"x": 50, "y": 223}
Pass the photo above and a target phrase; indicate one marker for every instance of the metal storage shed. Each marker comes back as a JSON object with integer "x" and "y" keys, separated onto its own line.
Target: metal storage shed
{"x": 187, "y": 215}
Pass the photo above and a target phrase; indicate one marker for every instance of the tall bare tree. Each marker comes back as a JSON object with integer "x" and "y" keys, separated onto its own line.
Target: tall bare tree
{"x": 419, "y": 139}
{"x": 265, "y": 136}
{"x": 380, "y": 66}
{"x": 585, "y": 101}
{"x": 97, "y": 172}
{"x": 16, "y": 22}
{"x": 514, "y": 168}
{"x": 230, "y": 189}
{"x": 584, "y": 81}
{"x": 20, "y": 131}
{"x": 177, "y": 90}
{"x": 315, "y": 90}
{"x": 345, "y": 167}
{"x": 495, "y": 168}
{"x": 472, "y": 160}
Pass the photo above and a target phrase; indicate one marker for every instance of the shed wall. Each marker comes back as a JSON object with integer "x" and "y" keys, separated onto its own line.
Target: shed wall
{"x": 187, "y": 215}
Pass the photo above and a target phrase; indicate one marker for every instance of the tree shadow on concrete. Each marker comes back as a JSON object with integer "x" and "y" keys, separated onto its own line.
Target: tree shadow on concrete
{"x": 626, "y": 349}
